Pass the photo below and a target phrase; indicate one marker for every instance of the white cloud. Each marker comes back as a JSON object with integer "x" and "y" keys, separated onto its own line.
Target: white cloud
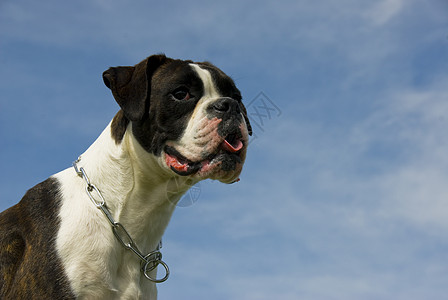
{"x": 418, "y": 189}
{"x": 384, "y": 10}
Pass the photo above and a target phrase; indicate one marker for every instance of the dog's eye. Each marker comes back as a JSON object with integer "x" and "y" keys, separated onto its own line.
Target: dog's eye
{"x": 181, "y": 94}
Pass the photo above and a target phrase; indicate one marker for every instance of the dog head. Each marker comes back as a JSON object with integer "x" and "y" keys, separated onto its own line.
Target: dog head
{"x": 188, "y": 115}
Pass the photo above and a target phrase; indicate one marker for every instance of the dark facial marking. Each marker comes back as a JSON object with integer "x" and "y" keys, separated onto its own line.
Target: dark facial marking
{"x": 163, "y": 114}
{"x": 159, "y": 94}
{"x": 168, "y": 116}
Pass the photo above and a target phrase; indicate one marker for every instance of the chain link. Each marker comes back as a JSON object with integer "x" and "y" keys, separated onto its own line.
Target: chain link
{"x": 150, "y": 261}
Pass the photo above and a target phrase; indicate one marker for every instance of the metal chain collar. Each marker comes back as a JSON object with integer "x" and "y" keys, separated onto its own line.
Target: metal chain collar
{"x": 150, "y": 261}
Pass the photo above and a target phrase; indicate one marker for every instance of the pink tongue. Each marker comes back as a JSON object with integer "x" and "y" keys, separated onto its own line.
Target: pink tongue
{"x": 232, "y": 148}
{"x": 173, "y": 162}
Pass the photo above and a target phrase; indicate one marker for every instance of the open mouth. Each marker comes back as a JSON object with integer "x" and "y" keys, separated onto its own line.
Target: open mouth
{"x": 232, "y": 143}
{"x": 230, "y": 146}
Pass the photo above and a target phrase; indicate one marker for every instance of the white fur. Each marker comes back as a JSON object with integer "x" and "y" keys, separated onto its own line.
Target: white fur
{"x": 134, "y": 184}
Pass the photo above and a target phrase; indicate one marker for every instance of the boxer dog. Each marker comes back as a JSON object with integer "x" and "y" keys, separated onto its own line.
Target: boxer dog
{"x": 85, "y": 232}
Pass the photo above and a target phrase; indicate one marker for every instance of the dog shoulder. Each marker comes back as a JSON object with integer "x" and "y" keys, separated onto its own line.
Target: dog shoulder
{"x": 29, "y": 264}
{"x": 12, "y": 248}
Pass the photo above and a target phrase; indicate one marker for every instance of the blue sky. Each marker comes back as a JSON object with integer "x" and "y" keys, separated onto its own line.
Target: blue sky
{"x": 344, "y": 193}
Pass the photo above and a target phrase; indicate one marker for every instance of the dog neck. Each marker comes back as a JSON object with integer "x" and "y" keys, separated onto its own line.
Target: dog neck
{"x": 140, "y": 192}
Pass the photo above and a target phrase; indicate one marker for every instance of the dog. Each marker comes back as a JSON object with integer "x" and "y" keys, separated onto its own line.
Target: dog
{"x": 84, "y": 233}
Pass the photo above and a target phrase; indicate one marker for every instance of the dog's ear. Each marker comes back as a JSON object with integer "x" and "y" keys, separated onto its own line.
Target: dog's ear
{"x": 131, "y": 86}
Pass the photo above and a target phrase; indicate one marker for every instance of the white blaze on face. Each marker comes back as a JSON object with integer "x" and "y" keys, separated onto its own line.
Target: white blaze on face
{"x": 210, "y": 94}
{"x": 210, "y": 91}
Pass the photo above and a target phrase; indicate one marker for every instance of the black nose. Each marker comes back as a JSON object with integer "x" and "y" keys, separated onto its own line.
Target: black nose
{"x": 226, "y": 106}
